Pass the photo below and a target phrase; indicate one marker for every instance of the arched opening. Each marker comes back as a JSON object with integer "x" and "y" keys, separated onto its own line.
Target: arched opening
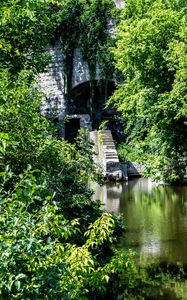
{"x": 83, "y": 103}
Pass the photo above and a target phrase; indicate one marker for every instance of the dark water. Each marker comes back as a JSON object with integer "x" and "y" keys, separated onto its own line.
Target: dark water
{"x": 155, "y": 216}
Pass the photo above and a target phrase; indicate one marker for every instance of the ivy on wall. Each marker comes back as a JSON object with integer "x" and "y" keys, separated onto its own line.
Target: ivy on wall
{"x": 84, "y": 24}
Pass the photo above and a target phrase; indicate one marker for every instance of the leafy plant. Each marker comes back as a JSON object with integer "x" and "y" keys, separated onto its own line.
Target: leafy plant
{"x": 38, "y": 257}
{"x": 150, "y": 51}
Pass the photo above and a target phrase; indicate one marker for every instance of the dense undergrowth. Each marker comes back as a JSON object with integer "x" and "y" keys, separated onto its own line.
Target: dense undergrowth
{"x": 55, "y": 243}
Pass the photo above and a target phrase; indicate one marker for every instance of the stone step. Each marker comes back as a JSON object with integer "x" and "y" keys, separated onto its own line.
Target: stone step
{"x": 112, "y": 166}
{"x": 107, "y": 156}
{"x": 109, "y": 145}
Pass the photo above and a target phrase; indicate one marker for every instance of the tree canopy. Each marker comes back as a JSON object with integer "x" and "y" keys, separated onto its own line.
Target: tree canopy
{"x": 151, "y": 51}
{"x": 26, "y": 29}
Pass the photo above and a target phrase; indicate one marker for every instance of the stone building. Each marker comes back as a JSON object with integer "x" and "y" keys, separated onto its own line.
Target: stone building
{"x": 78, "y": 112}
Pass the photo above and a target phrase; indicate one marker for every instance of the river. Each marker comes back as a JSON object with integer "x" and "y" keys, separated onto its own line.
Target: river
{"x": 155, "y": 216}
{"x": 156, "y": 222}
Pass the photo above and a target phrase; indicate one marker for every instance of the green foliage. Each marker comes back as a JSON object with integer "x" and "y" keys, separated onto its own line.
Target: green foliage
{"x": 95, "y": 35}
{"x": 52, "y": 234}
{"x": 151, "y": 52}
{"x": 126, "y": 152}
{"x": 20, "y": 120}
{"x": 26, "y": 28}
{"x": 55, "y": 242}
{"x": 149, "y": 281}
{"x": 37, "y": 257}
{"x": 84, "y": 24}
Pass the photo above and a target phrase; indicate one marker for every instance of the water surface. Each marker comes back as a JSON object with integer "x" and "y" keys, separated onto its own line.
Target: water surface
{"x": 155, "y": 216}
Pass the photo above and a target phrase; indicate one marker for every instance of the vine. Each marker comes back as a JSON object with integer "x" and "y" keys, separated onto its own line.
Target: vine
{"x": 84, "y": 25}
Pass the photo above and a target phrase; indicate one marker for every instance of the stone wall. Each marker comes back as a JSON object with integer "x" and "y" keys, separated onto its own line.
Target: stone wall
{"x": 80, "y": 69}
{"x": 52, "y": 84}
{"x": 105, "y": 154}
{"x": 132, "y": 169}
{"x": 85, "y": 121}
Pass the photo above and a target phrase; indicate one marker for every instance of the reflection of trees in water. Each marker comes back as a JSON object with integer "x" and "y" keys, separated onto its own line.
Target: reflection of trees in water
{"x": 114, "y": 191}
{"x": 156, "y": 219}
{"x": 109, "y": 195}
{"x": 156, "y": 216}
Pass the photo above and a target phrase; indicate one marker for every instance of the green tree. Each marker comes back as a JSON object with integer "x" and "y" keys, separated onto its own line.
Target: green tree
{"x": 26, "y": 28}
{"x": 21, "y": 120}
{"x": 38, "y": 258}
{"x": 151, "y": 52}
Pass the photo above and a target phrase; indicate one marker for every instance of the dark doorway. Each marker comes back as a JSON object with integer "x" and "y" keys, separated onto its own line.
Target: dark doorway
{"x": 72, "y": 127}
{"x": 81, "y": 103}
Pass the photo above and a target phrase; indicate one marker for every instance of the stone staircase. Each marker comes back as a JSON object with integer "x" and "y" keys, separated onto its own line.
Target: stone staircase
{"x": 110, "y": 160}
{"x": 105, "y": 154}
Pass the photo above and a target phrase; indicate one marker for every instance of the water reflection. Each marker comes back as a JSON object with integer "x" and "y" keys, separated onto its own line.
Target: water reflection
{"x": 156, "y": 217}
{"x": 109, "y": 195}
